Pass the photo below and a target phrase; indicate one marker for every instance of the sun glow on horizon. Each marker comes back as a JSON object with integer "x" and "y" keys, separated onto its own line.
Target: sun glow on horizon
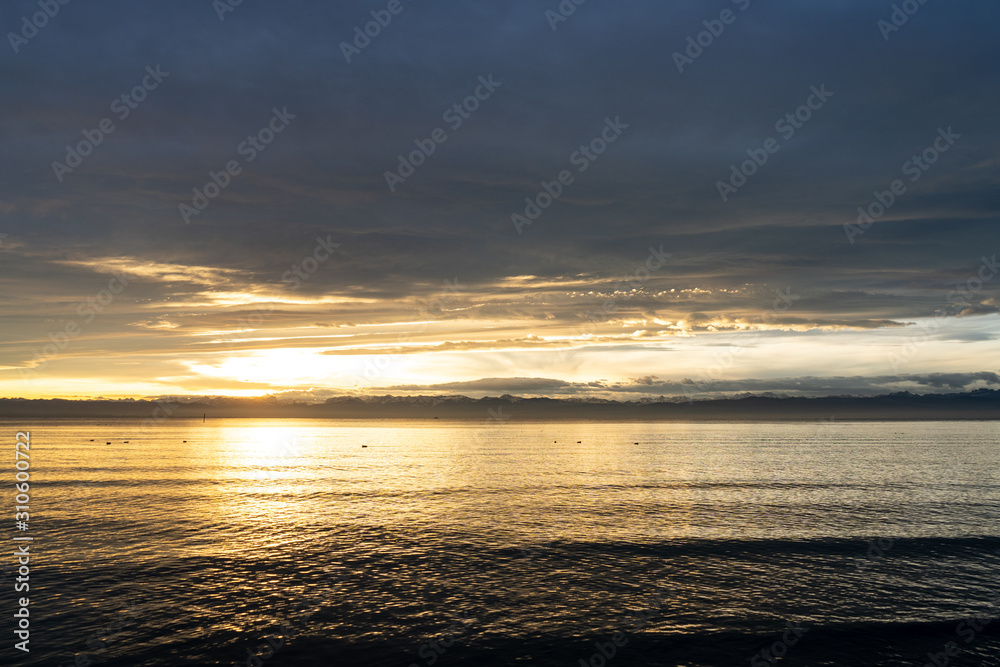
{"x": 276, "y": 367}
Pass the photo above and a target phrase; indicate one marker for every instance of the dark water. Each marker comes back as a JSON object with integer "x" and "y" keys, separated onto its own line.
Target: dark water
{"x": 452, "y": 544}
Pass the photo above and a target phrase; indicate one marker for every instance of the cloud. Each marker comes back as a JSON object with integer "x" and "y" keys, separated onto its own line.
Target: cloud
{"x": 651, "y": 386}
{"x": 573, "y": 281}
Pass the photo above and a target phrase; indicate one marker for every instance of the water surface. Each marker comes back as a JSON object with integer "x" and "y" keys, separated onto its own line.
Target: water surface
{"x": 363, "y": 543}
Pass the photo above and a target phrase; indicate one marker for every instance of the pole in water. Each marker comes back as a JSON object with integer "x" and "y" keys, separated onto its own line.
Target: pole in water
{"x": 203, "y": 415}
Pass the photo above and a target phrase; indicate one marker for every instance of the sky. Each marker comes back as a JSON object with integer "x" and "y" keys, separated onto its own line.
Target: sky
{"x": 607, "y": 200}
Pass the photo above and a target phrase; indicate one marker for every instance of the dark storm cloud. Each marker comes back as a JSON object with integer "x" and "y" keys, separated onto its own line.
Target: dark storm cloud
{"x": 656, "y": 185}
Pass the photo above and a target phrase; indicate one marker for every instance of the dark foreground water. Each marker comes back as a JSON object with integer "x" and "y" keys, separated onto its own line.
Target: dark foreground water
{"x": 453, "y": 544}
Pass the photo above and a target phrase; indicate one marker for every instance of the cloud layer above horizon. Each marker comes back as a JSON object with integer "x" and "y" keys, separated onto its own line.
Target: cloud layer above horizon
{"x": 590, "y": 221}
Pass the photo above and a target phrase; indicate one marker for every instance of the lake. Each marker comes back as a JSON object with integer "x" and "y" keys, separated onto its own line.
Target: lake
{"x": 302, "y": 542}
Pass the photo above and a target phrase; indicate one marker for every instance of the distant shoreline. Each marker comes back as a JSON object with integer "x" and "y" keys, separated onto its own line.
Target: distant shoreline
{"x": 980, "y": 405}
{"x": 533, "y": 420}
